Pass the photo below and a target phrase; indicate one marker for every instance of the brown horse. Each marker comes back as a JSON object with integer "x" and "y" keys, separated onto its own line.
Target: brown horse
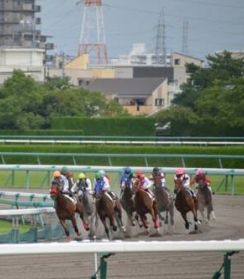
{"x": 111, "y": 210}
{"x": 205, "y": 201}
{"x": 145, "y": 204}
{"x": 184, "y": 203}
{"x": 66, "y": 209}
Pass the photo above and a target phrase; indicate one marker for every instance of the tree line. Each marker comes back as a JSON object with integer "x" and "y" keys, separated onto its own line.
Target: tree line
{"x": 26, "y": 104}
{"x": 212, "y": 100}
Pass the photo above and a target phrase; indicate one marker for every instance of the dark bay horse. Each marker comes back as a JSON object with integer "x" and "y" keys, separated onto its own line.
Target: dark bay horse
{"x": 205, "y": 201}
{"x": 109, "y": 210}
{"x": 184, "y": 203}
{"x": 145, "y": 204}
{"x": 66, "y": 209}
{"x": 128, "y": 203}
{"x": 164, "y": 202}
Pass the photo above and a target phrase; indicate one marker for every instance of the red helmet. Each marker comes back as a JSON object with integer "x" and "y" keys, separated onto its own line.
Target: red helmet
{"x": 180, "y": 171}
{"x": 199, "y": 172}
{"x": 140, "y": 174}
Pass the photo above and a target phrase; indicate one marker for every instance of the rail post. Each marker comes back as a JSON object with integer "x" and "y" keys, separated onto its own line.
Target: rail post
{"x": 103, "y": 267}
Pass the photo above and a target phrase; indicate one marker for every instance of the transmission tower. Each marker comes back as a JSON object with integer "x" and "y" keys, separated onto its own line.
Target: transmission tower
{"x": 92, "y": 36}
{"x": 160, "y": 50}
{"x": 185, "y": 36}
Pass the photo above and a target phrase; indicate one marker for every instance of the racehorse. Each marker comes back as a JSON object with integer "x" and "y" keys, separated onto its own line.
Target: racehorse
{"x": 184, "y": 203}
{"x": 164, "y": 202}
{"x": 204, "y": 201}
{"x": 128, "y": 203}
{"x": 111, "y": 210}
{"x": 89, "y": 210}
{"x": 66, "y": 209}
{"x": 145, "y": 204}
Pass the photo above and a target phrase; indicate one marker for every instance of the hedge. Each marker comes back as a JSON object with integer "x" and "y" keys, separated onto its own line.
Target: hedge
{"x": 128, "y": 126}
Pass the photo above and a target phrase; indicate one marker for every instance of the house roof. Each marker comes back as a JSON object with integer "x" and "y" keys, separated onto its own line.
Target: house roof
{"x": 136, "y": 87}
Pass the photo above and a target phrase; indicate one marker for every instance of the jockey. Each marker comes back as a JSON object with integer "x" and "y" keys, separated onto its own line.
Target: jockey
{"x": 101, "y": 184}
{"x": 144, "y": 182}
{"x": 201, "y": 179}
{"x": 184, "y": 179}
{"x": 159, "y": 176}
{"x": 68, "y": 178}
{"x": 126, "y": 178}
{"x": 83, "y": 182}
{"x": 62, "y": 182}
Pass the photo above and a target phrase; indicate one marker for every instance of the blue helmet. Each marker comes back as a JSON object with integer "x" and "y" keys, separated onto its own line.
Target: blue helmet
{"x": 127, "y": 171}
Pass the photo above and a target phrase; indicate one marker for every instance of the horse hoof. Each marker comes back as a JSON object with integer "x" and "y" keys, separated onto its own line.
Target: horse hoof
{"x": 187, "y": 226}
{"x": 114, "y": 228}
{"x": 123, "y": 229}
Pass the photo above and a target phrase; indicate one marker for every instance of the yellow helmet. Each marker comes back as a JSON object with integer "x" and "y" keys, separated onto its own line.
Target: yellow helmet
{"x": 82, "y": 175}
{"x": 56, "y": 174}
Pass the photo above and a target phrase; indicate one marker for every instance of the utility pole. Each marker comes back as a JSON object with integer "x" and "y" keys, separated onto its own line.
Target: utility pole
{"x": 92, "y": 36}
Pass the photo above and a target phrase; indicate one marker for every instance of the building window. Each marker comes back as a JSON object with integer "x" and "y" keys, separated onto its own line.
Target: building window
{"x": 159, "y": 102}
{"x": 177, "y": 61}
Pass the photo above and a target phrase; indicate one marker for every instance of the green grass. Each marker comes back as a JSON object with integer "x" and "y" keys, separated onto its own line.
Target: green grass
{"x": 6, "y": 227}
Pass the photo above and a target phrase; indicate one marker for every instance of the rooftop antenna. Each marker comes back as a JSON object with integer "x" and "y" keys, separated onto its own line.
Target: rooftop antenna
{"x": 160, "y": 50}
{"x": 185, "y": 36}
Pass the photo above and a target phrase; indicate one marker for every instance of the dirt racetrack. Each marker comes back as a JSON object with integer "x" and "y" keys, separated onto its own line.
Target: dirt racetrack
{"x": 174, "y": 265}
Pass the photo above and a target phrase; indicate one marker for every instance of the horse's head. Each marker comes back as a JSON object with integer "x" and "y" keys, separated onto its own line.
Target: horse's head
{"x": 54, "y": 190}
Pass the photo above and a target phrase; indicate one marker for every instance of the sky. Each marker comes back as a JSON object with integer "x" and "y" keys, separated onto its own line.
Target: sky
{"x": 213, "y": 25}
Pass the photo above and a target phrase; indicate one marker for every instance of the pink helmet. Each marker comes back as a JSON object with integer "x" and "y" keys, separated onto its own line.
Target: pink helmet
{"x": 180, "y": 171}
{"x": 199, "y": 172}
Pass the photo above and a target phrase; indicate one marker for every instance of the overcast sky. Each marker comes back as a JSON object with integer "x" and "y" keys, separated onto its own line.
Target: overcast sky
{"x": 213, "y": 24}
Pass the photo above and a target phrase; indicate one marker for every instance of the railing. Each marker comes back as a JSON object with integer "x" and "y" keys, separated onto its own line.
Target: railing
{"x": 230, "y": 247}
{"x": 182, "y": 157}
{"x": 227, "y": 181}
{"x": 133, "y": 140}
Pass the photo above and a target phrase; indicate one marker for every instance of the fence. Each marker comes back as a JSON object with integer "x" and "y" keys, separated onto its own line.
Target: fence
{"x": 39, "y": 224}
{"x": 227, "y": 181}
{"x": 230, "y": 247}
{"x": 74, "y": 156}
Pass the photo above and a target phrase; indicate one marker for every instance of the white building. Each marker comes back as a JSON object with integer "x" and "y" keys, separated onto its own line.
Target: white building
{"x": 28, "y": 60}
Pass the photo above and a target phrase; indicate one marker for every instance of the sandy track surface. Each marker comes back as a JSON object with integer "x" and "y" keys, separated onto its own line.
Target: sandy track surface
{"x": 174, "y": 265}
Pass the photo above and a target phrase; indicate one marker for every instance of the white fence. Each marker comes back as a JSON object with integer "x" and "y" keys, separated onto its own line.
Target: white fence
{"x": 121, "y": 246}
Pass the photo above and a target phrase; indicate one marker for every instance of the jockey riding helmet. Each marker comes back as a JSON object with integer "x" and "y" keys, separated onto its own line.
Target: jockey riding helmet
{"x": 102, "y": 172}
{"x": 56, "y": 174}
{"x": 199, "y": 172}
{"x": 82, "y": 175}
{"x": 98, "y": 175}
{"x": 156, "y": 170}
{"x": 64, "y": 170}
{"x": 180, "y": 171}
{"x": 140, "y": 174}
{"x": 127, "y": 171}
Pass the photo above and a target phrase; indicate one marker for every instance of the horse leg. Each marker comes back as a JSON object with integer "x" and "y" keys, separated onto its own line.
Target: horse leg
{"x": 84, "y": 222}
{"x": 118, "y": 216}
{"x": 187, "y": 224}
{"x": 75, "y": 225}
{"x": 112, "y": 222}
{"x": 63, "y": 224}
{"x": 103, "y": 219}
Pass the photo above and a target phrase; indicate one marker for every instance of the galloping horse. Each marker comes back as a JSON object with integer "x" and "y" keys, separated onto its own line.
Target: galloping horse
{"x": 184, "y": 203}
{"x": 164, "y": 202}
{"x": 128, "y": 203}
{"x": 204, "y": 201}
{"x": 66, "y": 209}
{"x": 109, "y": 209}
{"x": 89, "y": 210}
{"x": 145, "y": 204}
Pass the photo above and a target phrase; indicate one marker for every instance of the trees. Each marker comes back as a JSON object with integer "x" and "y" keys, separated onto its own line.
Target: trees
{"x": 25, "y": 104}
{"x": 213, "y": 98}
